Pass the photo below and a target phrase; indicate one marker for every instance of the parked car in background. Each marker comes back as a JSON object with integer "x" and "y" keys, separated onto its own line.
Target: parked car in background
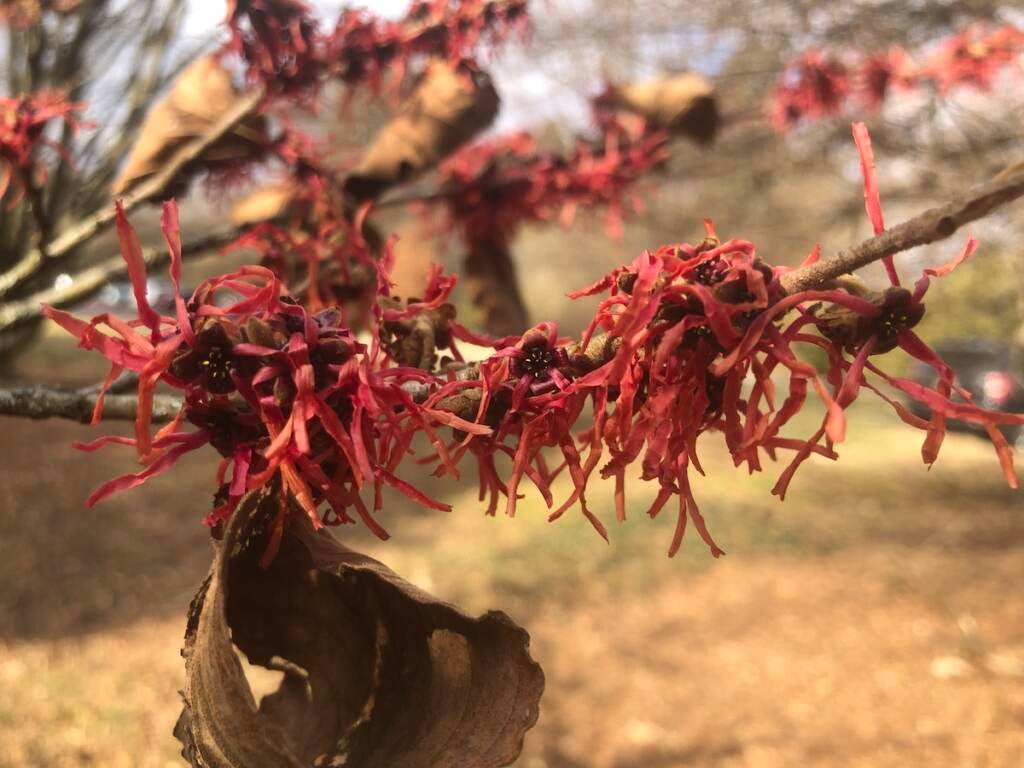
{"x": 988, "y": 370}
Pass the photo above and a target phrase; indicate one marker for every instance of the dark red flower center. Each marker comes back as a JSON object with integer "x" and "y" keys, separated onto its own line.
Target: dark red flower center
{"x": 216, "y": 364}
{"x": 537, "y": 360}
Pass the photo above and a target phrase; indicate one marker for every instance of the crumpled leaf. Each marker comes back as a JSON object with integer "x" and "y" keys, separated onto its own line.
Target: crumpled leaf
{"x": 447, "y": 108}
{"x": 684, "y": 104}
{"x": 201, "y": 95}
{"x": 376, "y": 672}
{"x": 489, "y": 274}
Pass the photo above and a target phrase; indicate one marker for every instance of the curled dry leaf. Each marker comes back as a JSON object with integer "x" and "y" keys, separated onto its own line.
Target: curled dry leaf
{"x": 684, "y": 104}
{"x": 376, "y": 672}
{"x": 490, "y": 277}
{"x": 448, "y": 107}
{"x": 201, "y": 95}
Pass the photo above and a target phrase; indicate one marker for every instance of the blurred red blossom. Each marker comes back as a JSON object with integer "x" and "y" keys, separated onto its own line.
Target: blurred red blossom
{"x": 23, "y": 123}
{"x": 813, "y": 86}
{"x": 974, "y": 57}
{"x": 494, "y": 186}
{"x": 279, "y": 40}
{"x": 287, "y": 52}
{"x": 880, "y": 73}
{"x": 817, "y": 85}
{"x": 362, "y": 47}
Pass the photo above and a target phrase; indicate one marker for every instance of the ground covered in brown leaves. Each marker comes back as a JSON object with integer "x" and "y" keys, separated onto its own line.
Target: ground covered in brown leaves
{"x": 875, "y": 619}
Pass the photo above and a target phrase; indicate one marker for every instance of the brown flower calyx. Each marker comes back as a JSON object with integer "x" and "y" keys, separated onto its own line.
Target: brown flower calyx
{"x": 898, "y": 311}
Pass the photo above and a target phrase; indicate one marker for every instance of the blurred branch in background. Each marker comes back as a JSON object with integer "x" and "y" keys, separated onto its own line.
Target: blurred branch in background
{"x": 90, "y": 280}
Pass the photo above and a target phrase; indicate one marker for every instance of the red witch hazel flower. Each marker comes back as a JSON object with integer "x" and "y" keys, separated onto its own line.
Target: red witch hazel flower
{"x": 497, "y": 185}
{"x": 812, "y": 87}
{"x": 880, "y": 73}
{"x": 974, "y": 57}
{"x": 363, "y": 47}
{"x": 289, "y": 398}
{"x": 686, "y": 341}
{"x": 23, "y": 123}
{"x": 279, "y": 40}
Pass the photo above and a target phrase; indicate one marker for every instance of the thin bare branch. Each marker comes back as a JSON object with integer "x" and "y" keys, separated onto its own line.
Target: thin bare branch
{"x": 46, "y": 403}
{"x": 91, "y": 280}
{"x": 932, "y": 225}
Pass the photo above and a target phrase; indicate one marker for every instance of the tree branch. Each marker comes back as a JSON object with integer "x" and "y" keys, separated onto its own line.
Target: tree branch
{"x": 45, "y": 403}
{"x": 91, "y": 280}
{"x": 89, "y": 227}
{"x": 932, "y": 225}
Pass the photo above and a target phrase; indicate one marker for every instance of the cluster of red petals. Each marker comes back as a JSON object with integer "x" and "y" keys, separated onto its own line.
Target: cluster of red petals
{"x": 23, "y": 123}
{"x": 279, "y": 40}
{"x": 326, "y": 265}
{"x": 974, "y": 57}
{"x": 818, "y": 85}
{"x": 701, "y": 331}
{"x": 686, "y": 341}
{"x": 285, "y": 395}
{"x": 317, "y": 250}
{"x": 813, "y": 86}
{"x": 494, "y": 186}
{"x": 288, "y": 53}
{"x": 363, "y": 47}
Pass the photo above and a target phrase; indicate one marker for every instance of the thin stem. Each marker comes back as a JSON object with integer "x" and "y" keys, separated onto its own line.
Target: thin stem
{"x": 91, "y": 280}
{"x": 46, "y": 403}
{"x": 932, "y": 225}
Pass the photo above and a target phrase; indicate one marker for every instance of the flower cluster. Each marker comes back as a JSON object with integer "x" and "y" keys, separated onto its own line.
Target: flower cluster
{"x": 686, "y": 341}
{"x": 23, "y": 124}
{"x": 288, "y": 397}
{"x": 287, "y": 52}
{"x": 813, "y": 86}
{"x": 819, "y": 85}
{"x": 363, "y": 47}
{"x": 494, "y": 186}
{"x": 279, "y": 40}
{"x": 315, "y": 245}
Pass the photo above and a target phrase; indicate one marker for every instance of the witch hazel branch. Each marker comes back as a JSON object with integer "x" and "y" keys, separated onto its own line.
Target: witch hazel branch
{"x": 824, "y": 83}
{"x": 685, "y": 344}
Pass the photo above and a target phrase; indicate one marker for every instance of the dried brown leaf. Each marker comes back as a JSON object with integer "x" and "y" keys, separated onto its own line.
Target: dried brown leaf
{"x": 447, "y": 108}
{"x": 376, "y": 672}
{"x": 684, "y": 104}
{"x": 201, "y": 95}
